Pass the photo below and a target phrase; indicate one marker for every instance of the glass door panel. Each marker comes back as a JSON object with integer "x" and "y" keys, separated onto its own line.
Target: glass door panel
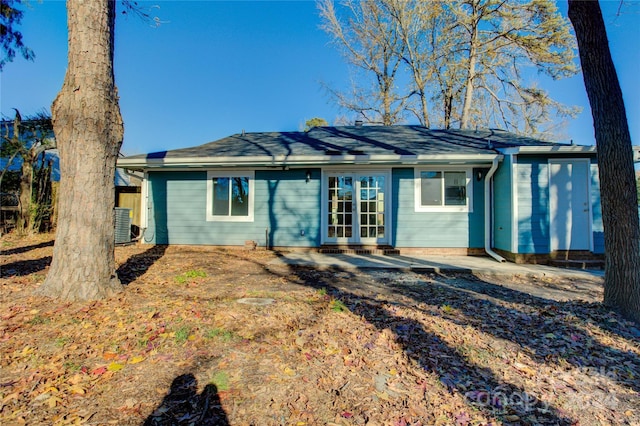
{"x": 372, "y": 208}
{"x": 340, "y": 208}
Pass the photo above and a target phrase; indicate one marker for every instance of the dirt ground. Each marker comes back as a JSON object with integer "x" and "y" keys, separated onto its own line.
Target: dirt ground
{"x": 177, "y": 347}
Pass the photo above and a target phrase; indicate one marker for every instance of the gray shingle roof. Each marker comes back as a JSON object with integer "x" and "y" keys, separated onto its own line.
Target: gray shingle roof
{"x": 354, "y": 140}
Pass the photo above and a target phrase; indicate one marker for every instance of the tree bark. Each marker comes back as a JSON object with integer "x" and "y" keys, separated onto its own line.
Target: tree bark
{"x": 89, "y": 130}
{"x": 615, "y": 160}
{"x": 471, "y": 75}
{"x": 26, "y": 184}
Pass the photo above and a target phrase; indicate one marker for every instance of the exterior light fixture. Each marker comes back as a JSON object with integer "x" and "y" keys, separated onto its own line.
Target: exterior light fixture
{"x": 308, "y": 175}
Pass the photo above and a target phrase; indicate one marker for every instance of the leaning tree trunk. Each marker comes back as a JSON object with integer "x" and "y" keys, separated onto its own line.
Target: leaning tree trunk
{"x": 615, "y": 160}
{"x": 89, "y": 130}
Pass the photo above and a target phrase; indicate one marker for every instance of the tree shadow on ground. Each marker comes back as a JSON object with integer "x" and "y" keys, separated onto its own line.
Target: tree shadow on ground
{"x": 137, "y": 265}
{"x": 550, "y": 333}
{"x": 546, "y": 330}
{"x": 183, "y": 406}
{"x": 19, "y": 250}
{"x": 588, "y": 311}
{"x": 483, "y": 390}
{"x": 24, "y": 267}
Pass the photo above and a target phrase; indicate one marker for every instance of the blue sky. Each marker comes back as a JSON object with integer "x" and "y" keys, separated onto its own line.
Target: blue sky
{"x": 214, "y": 68}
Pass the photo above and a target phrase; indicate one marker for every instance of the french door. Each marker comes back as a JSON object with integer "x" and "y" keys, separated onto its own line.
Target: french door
{"x": 356, "y": 207}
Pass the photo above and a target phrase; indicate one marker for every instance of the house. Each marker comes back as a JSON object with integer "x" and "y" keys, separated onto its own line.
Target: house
{"x": 405, "y": 188}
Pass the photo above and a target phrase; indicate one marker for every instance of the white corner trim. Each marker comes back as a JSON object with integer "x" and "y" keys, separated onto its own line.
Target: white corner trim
{"x": 515, "y": 229}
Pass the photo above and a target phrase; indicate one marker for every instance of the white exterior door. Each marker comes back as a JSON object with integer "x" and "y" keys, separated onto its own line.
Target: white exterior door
{"x": 356, "y": 207}
{"x": 569, "y": 205}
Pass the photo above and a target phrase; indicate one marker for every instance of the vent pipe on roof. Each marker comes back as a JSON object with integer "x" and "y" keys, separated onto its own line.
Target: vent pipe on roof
{"x": 358, "y": 123}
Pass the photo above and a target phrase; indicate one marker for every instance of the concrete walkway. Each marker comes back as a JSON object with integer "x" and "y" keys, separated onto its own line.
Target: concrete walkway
{"x": 440, "y": 264}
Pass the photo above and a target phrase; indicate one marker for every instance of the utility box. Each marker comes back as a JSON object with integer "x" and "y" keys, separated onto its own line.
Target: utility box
{"x": 123, "y": 218}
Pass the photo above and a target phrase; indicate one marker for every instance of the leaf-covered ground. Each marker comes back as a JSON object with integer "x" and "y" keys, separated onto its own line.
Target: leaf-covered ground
{"x": 335, "y": 347}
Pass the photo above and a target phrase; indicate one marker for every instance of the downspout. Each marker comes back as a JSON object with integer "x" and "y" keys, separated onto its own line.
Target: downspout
{"x": 487, "y": 212}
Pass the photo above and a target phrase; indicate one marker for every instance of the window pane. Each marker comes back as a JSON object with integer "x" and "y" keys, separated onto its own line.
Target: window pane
{"x": 431, "y": 188}
{"x": 455, "y": 184}
{"x": 221, "y": 196}
{"x": 240, "y": 197}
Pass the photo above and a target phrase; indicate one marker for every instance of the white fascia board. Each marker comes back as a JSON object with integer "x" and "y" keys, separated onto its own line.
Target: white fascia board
{"x": 299, "y": 160}
{"x": 559, "y": 149}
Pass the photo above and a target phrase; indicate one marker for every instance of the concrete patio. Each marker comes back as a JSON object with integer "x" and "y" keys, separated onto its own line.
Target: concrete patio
{"x": 439, "y": 264}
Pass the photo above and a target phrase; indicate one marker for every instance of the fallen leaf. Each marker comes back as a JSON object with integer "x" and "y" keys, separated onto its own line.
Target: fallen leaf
{"x": 115, "y": 366}
{"x": 136, "y": 359}
{"x": 77, "y": 390}
{"x": 109, "y": 356}
{"x": 98, "y": 371}
{"x": 53, "y": 401}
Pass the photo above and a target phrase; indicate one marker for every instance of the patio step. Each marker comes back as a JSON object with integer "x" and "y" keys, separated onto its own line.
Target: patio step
{"x": 577, "y": 263}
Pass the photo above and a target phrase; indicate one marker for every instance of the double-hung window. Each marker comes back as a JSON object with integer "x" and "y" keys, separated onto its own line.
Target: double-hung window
{"x": 443, "y": 189}
{"x": 230, "y": 196}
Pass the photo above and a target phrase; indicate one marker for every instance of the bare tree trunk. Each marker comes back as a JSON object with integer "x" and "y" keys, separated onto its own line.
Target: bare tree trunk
{"x": 615, "y": 160}
{"x": 424, "y": 108}
{"x": 26, "y": 182}
{"x": 89, "y": 131}
{"x": 471, "y": 74}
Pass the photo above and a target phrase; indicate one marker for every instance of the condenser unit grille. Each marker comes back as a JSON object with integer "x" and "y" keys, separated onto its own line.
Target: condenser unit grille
{"x": 122, "y": 224}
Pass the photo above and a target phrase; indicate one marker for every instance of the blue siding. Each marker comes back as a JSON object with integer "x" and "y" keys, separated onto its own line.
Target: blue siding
{"x": 596, "y": 211}
{"x": 287, "y": 211}
{"x": 438, "y": 229}
{"x": 532, "y": 180}
{"x": 502, "y": 206}
{"x": 285, "y": 205}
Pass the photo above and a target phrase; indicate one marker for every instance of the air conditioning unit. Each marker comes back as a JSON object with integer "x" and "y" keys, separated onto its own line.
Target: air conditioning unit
{"x": 123, "y": 224}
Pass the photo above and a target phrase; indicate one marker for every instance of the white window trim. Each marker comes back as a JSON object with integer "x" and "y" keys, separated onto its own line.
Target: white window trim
{"x": 418, "y": 189}
{"x": 220, "y": 174}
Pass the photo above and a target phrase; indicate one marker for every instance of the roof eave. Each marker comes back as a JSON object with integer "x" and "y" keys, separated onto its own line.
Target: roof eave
{"x": 300, "y": 160}
{"x": 556, "y": 149}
